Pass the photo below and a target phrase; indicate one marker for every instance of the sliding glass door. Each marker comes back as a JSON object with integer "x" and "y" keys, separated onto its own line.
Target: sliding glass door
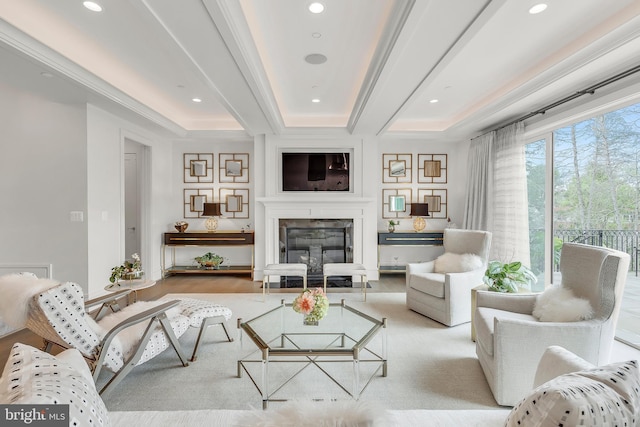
{"x": 536, "y": 161}
{"x": 595, "y": 198}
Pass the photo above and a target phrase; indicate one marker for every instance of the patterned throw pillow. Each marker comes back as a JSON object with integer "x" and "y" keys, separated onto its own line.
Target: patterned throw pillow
{"x": 609, "y": 395}
{"x": 32, "y": 376}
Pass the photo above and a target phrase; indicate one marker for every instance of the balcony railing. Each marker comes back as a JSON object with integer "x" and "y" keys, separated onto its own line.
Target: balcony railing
{"x": 623, "y": 240}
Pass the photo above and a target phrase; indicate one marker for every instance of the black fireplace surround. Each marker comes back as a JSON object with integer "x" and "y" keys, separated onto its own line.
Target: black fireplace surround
{"x": 316, "y": 242}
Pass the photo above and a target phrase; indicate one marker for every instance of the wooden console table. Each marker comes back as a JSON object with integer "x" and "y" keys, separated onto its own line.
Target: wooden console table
{"x": 202, "y": 238}
{"x": 412, "y": 238}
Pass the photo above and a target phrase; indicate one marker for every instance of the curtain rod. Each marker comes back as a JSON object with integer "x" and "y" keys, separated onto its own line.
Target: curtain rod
{"x": 590, "y": 90}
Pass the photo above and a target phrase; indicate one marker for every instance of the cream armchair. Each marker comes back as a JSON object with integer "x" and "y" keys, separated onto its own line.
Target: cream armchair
{"x": 510, "y": 340}
{"x": 446, "y": 297}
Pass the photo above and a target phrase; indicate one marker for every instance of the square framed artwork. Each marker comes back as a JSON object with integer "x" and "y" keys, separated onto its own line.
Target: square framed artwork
{"x": 233, "y": 167}
{"x": 194, "y": 200}
{"x": 234, "y": 202}
{"x": 432, "y": 168}
{"x": 395, "y": 202}
{"x": 436, "y": 198}
{"x": 198, "y": 167}
{"x": 396, "y": 168}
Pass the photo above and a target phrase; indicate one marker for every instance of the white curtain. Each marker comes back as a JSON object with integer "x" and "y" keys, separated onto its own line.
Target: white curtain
{"x": 497, "y": 192}
{"x": 477, "y": 210}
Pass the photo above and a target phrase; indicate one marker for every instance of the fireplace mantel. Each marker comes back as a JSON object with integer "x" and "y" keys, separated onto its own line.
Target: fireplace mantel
{"x": 315, "y": 198}
{"x": 320, "y": 206}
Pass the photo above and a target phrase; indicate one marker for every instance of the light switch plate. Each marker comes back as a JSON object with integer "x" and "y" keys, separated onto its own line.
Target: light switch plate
{"x": 77, "y": 216}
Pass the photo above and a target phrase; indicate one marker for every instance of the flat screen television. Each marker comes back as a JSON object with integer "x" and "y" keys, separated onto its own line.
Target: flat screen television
{"x": 315, "y": 171}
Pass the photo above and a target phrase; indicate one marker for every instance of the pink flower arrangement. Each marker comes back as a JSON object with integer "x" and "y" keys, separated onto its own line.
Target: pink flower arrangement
{"x": 313, "y": 303}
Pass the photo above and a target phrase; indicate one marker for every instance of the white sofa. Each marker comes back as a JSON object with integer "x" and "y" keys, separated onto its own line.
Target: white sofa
{"x": 34, "y": 377}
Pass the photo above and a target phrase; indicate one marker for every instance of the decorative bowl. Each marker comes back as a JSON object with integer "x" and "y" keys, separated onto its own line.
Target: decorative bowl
{"x": 132, "y": 275}
{"x": 210, "y": 265}
{"x": 181, "y": 226}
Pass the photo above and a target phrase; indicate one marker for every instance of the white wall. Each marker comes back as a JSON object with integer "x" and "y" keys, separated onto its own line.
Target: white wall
{"x": 106, "y": 136}
{"x": 215, "y": 146}
{"x": 456, "y": 184}
{"x": 44, "y": 169}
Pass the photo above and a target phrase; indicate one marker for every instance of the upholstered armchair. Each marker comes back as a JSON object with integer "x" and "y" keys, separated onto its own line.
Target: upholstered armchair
{"x": 446, "y": 296}
{"x": 510, "y": 340}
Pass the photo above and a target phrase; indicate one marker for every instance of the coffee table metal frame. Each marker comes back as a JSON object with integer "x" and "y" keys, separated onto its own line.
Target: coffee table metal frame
{"x": 288, "y": 345}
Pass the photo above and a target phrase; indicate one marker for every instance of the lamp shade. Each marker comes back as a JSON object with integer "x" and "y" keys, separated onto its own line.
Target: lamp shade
{"x": 417, "y": 209}
{"x": 211, "y": 209}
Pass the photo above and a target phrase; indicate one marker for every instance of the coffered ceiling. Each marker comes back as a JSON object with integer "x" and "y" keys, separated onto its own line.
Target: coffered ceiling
{"x": 257, "y": 65}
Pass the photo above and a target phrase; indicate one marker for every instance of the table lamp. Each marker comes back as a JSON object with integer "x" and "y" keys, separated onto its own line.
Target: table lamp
{"x": 211, "y": 210}
{"x": 419, "y": 210}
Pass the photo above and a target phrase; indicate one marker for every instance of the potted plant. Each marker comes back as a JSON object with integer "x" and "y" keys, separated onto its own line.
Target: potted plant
{"x": 392, "y": 225}
{"x": 508, "y": 277}
{"x": 128, "y": 270}
{"x": 209, "y": 261}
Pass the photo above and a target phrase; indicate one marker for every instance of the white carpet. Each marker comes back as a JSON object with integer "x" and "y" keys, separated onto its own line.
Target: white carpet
{"x": 430, "y": 366}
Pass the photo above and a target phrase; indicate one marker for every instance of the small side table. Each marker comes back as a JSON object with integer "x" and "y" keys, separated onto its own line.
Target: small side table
{"x": 134, "y": 285}
{"x": 474, "y": 293}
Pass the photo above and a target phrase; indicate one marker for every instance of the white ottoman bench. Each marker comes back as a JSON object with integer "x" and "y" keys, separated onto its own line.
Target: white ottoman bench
{"x": 346, "y": 269}
{"x": 294, "y": 269}
{"x": 203, "y": 314}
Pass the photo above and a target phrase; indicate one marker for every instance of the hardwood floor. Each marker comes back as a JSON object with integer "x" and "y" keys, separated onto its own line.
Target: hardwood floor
{"x": 197, "y": 284}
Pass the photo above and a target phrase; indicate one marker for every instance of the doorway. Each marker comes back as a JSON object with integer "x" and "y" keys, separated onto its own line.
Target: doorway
{"x": 133, "y": 196}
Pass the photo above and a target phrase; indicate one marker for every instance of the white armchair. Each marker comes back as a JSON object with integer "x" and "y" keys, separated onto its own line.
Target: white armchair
{"x": 446, "y": 297}
{"x": 510, "y": 340}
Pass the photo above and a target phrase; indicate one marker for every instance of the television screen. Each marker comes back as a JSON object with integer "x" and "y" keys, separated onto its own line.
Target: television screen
{"x": 315, "y": 171}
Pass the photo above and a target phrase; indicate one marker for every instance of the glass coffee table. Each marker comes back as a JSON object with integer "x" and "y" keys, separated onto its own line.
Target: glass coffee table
{"x": 344, "y": 337}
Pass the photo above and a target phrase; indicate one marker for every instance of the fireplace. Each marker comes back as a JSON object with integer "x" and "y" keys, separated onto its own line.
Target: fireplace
{"x": 356, "y": 215}
{"x": 315, "y": 242}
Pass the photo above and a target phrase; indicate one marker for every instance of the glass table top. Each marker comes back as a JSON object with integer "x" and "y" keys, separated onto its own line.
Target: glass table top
{"x": 282, "y": 330}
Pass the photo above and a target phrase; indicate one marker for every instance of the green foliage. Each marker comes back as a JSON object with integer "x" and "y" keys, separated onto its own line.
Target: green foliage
{"x": 119, "y": 271}
{"x": 508, "y": 277}
{"x": 209, "y": 259}
{"x": 597, "y": 172}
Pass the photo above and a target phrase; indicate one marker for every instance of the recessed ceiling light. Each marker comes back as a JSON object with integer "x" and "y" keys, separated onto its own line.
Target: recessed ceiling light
{"x": 433, "y": 101}
{"x": 315, "y": 100}
{"x": 196, "y": 100}
{"x": 92, "y": 6}
{"x": 537, "y": 8}
{"x": 316, "y": 35}
{"x": 316, "y": 7}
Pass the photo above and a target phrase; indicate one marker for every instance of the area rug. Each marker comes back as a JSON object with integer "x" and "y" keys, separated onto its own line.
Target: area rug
{"x": 430, "y": 366}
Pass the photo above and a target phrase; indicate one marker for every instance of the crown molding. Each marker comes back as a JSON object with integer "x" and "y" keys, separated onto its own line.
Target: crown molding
{"x": 28, "y": 46}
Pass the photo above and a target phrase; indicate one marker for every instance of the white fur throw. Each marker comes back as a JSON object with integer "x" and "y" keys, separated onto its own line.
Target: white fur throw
{"x": 319, "y": 414}
{"x": 456, "y": 263}
{"x": 128, "y": 338}
{"x": 17, "y": 289}
{"x": 558, "y": 304}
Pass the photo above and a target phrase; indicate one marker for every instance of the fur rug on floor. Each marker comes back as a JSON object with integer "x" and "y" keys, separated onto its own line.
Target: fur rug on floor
{"x": 318, "y": 414}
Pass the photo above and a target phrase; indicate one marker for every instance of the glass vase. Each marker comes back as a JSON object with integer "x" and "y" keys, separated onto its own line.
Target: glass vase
{"x": 310, "y": 321}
